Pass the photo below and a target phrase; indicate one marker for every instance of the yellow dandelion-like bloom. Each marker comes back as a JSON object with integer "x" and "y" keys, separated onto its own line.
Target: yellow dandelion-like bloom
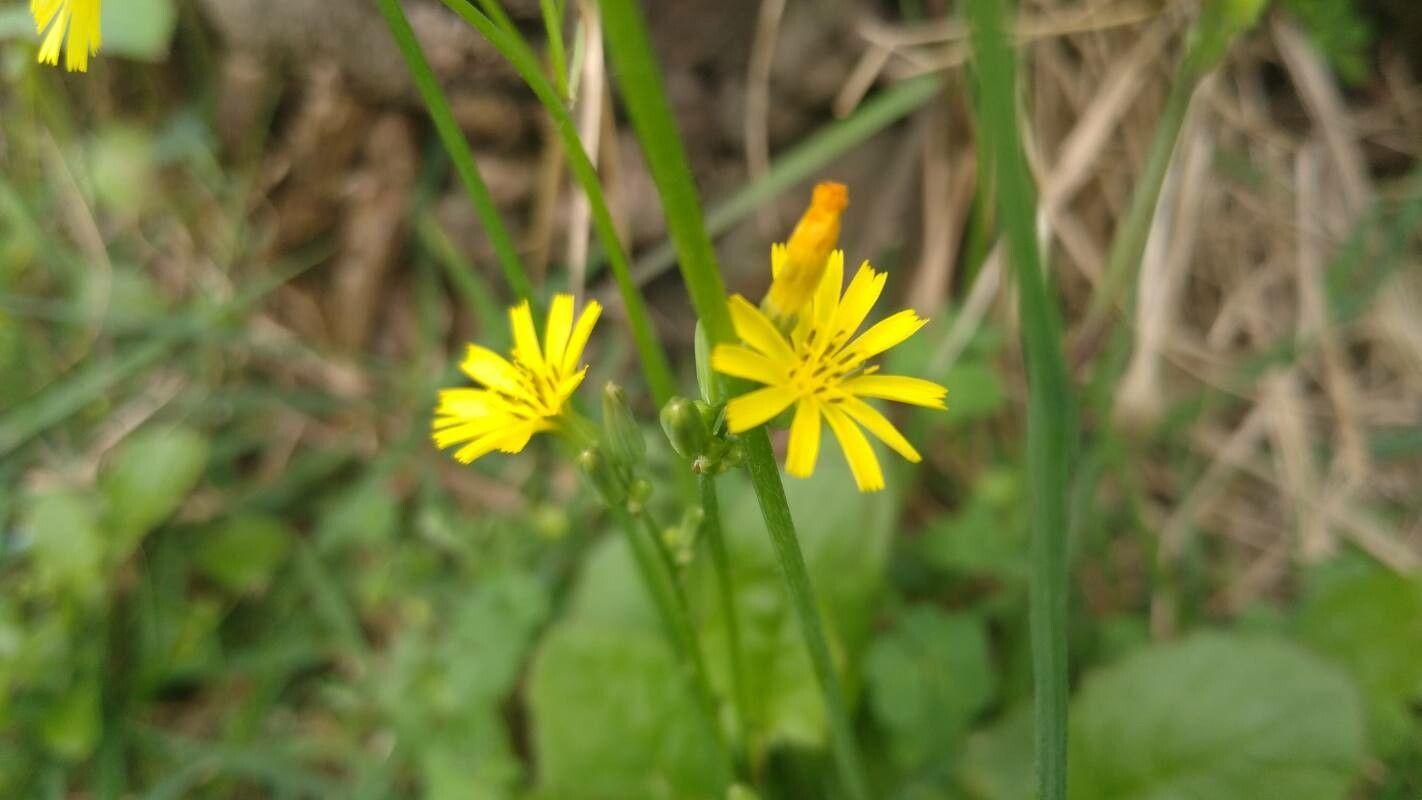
{"x": 72, "y": 24}
{"x": 520, "y": 397}
{"x": 797, "y": 266}
{"x": 820, "y": 369}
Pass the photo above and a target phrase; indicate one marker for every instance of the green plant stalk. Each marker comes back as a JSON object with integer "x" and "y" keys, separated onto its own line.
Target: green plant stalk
{"x": 655, "y": 365}
{"x": 1128, "y": 244}
{"x": 721, "y": 564}
{"x": 675, "y": 616}
{"x": 770, "y": 493}
{"x": 1050, "y": 412}
{"x": 458, "y": 148}
{"x": 557, "y": 53}
{"x": 637, "y": 73}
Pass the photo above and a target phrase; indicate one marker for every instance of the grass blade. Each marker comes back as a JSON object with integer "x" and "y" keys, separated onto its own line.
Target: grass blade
{"x": 458, "y": 148}
{"x": 516, "y": 51}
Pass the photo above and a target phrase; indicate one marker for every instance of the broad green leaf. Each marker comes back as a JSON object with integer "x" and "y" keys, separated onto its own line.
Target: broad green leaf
{"x": 1219, "y": 716}
{"x": 244, "y": 552}
{"x": 997, "y": 762}
{"x": 987, "y": 537}
{"x": 66, "y": 547}
{"x": 147, "y": 478}
{"x": 1369, "y": 622}
{"x": 928, "y": 677}
{"x": 611, "y": 718}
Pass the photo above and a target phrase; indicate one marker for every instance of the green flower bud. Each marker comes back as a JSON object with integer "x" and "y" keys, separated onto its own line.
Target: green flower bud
{"x": 637, "y": 495}
{"x": 685, "y": 428}
{"x": 624, "y": 439}
{"x": 681, "y": 539}
{"x": 602, "y": 475}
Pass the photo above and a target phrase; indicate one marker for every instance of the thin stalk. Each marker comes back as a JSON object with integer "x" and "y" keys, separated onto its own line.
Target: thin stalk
{"x": 765, "y": 478}
{"x": 721, "y": 564}
{"x": 655, "y": 365}
{"x": 1050, "y": 413}
{"x": 639, "y": 77}
{"x": 675, "y": 617}
{"x": 458, "y": 148}
{"x": 552, "y": 11}
{"x": 1128, "y": 244}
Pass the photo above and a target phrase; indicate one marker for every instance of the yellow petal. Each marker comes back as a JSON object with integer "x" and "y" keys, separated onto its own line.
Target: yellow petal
{"x": 492, "y": 370}
{"x": 868, "y": 416}
{"x": 827, "y": 295}
{"x": 804, "y": 449}
{"x": 859, "y": 298}
{"x": 573, "y": 356}
{"x": 743, "y": 362}
{"x": 749, "y": 410}
{"x": 899, "y": 388}
{"x": 54, "y": 40}
{"x": 886, "y": 333}
{"x": 516, "y": 438}
{"x": 778, "y": 255}
{"x": 467, "y": 404}
{"x": 525, "y": 349}
{"x": 757, "y": 331}
{"x": 558, "y": 329}
{"x": 862, "y": 461}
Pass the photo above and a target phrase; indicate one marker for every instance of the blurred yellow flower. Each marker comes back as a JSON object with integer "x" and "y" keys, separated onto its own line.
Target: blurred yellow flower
{"x": 797, "y": 266}
{"x": 820, "y": 369}
{"x": 74, "y": 24}
{"x": 521, "y": 397}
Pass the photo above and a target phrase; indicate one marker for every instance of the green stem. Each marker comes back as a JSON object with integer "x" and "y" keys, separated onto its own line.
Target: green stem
{"x": 557, "y": 53}
{"x": 458, "y": 148}
{"x": 1050, "y": 414}
{"x": 1128, "y": 244}
{"x": 654, "y": 359}
{"x": 721, "y": 563}
{"x": 675, "y": 617}
{"x": 765, "y": 478}
{"x": 638, "y": 74}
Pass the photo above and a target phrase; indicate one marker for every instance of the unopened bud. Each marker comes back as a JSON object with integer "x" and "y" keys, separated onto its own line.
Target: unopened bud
{"x": 601, "y": 475}
{"x": 624, "y": 438}
{"x": 685, "y": 428}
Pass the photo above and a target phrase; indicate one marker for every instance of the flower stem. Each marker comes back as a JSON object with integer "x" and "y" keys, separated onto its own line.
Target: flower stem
{"x": 458, "y": 148}
{"x": 765, "y": 478}
{"x": 1050, "y": 408}
{"x": 639, "y": 77}
{"x": 721, "y": 563}
{"x": 641, "y": 533}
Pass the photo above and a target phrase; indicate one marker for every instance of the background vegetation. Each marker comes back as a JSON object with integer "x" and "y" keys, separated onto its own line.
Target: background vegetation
{"x": 235, "y": 264}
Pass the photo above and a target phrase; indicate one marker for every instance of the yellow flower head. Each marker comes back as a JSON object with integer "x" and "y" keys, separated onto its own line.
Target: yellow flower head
{"x": 821, "y": 370}
{"x": 797, "y": 266}
{"x": 518, "y": 398}
{"x": 74, "y": 24}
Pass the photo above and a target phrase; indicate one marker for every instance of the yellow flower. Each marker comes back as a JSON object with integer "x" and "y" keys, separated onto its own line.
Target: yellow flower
{"x": 76, "y": 21}
{"x": 518, "y": 398}
{"x": 797, "y": 266}
{"x": 821, "y": 370}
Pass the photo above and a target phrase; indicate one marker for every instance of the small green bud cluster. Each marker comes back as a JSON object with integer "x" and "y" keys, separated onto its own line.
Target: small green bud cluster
{"x": 693, "y": 428}
{"x": 612, "y": 465}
